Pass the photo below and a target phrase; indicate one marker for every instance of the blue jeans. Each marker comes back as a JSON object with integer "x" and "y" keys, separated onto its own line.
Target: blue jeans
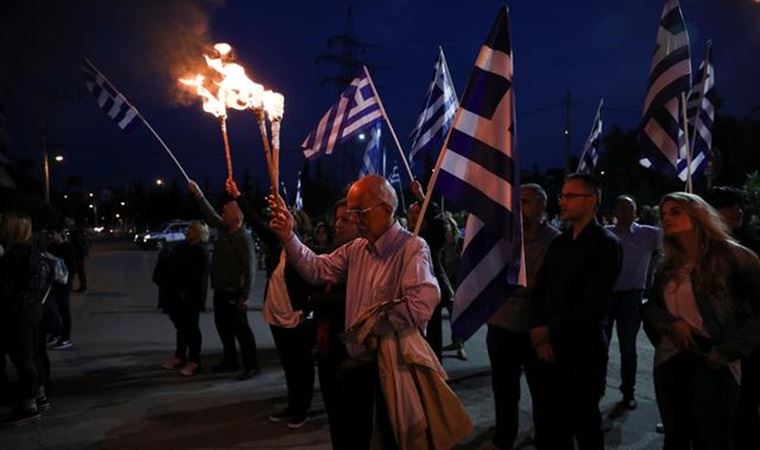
{"x": 624, "y": 309}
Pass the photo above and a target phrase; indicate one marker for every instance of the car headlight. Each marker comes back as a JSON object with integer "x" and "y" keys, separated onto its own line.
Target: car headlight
{"x": 147, "y": 236}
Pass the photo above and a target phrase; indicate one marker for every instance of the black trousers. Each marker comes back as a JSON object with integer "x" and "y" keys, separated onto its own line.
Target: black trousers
{"x": 185, "y": 320}
{"x": 434, "y": 332}
{"x": 294, "y": 347}
{"x": 697, "y": 403}
{"x": 232, "y": 323}
{"x": 23, "y": 335}
{"x": 328, "y": 366}
{"x": 81, "y": 273}
{"x": 747, "y": 423}
{"x": 624, "y": 312}
{"x": 60, "y": 294}
{"x": 566, "y": 403}
{"x": 510, "y": 353}
{"x": 359, "y": 396}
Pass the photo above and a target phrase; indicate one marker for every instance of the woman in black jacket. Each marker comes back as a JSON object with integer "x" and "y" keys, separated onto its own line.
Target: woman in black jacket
{"x": 702, "y": 316}
{"x": 25, "y": 279}
{"x": 182, "y": 276}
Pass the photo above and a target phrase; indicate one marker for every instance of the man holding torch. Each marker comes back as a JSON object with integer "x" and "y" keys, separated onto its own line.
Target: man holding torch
{"x": 232, "y": 271}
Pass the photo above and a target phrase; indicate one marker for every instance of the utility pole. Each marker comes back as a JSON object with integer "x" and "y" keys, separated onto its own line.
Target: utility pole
{"x": 568, "y": 141}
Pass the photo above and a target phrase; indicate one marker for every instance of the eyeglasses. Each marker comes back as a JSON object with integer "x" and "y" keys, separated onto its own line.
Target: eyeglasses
{"x": 570, "y": 196}
{"x": 362, "y": 212}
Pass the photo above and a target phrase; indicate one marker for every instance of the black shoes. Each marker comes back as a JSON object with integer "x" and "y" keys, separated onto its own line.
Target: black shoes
{"x": 248, "y": 374}
{"x": 225, "y": 367}
{"x": 19, "y": 417}
{"x": 628, "y": 403}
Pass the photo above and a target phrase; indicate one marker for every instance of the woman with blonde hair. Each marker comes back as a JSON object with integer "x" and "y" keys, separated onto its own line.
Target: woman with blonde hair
{"x": 24, "y": 281}
{"x": 182, "y": 276}
{"x": 703, "y": 314}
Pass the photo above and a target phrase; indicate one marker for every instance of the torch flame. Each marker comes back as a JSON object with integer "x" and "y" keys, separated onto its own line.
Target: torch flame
{"x": 211, "y": 103}
{"x": 223, "y": 48}
{"x": 274, "y": 105}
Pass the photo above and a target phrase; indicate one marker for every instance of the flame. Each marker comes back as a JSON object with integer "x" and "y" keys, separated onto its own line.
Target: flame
{"x": 211, "y": 103}
{"x": 274, "y": 105}
{"x": 234, "y": 89}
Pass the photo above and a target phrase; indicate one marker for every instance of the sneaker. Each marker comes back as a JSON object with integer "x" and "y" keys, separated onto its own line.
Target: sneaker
{"x": 248, "y": 374}
{"x": 62, "y": 345}
{"x": 628, "y": 402}
{"x": 297, "y": 422}
{"x": 52, "y": 340}
{"x": 43, "y": 404}
{"x": 280, "y": 416}
{"x": 189, "y": 369}
{"x": 172, "y": 363}
{"x": 461, "y": 354}
{"x": 452, "y": 346}
{"x": 20, "y": 416}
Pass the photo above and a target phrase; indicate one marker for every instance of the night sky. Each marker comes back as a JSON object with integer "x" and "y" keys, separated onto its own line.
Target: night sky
{"x": 594, "y": 48}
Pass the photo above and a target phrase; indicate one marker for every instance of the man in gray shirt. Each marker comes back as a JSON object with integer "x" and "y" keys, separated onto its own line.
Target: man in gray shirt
{"x": 509, "y": 347}
{"x": 640, "y": 243}
{"x": 232, "y": 270}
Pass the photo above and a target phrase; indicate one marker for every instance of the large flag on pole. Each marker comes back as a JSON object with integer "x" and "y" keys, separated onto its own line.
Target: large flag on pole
{"x": 662, "y": 142}
{"x": 701, "y": 113}
{"x": 590, "y": 154}
{"x": 479, "y": 172}
{"x": 357, "y": 108}
{"x": 109, "y": 99}
{"x": 372, "y": 154}
{"x": 437, "y": 113}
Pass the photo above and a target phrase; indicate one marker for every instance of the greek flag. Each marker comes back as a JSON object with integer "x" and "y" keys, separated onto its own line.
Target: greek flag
{"x": 371, "y": 158}
{"x": 109, "y": 99}
{"x": 395, "y": 176}
{"x": 356, "y": 109}
{"x": 590, "y": 154}
{"x": 701, "y": 116}
{"x": 298, "y": 203}
{"x": 662, "y": 142}
{"x": 437, "y": 113}
{"x": 479, "y": 172}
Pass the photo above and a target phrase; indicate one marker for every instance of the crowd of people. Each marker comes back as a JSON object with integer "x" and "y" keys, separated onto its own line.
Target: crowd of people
{"x": 357, "y": 303}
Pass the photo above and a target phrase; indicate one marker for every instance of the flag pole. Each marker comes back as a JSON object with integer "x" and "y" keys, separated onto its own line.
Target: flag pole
{"x": 689, "y": 187}
{"x": 434, "y": 177}
{"x": 593, "y": 127}
{"x": 150, "y": 128}
{"x": 387, "y": 120}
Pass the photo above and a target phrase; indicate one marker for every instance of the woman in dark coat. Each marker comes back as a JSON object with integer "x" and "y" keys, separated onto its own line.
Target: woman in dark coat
{"x": 25, "y": 279}
{"x": 182, "y": 276}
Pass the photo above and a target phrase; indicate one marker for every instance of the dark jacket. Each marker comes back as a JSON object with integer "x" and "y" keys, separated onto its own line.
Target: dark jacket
{"x": 729, "y": 303}
{"x": 181, "y": 274}
{"x": 25, "y": 277}
{"x": 573, "y": 287}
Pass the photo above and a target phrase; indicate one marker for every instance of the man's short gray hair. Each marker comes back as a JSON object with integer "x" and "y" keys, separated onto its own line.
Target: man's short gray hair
{"x": 538, "y": 190}
{"x": 382, "y": 190}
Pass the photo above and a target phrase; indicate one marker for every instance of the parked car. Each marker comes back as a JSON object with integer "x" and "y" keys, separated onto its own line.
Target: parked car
{"x": 167, "y": 234}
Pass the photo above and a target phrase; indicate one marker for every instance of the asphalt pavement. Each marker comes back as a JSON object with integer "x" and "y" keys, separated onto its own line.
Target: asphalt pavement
{"x": 109, "y": 391}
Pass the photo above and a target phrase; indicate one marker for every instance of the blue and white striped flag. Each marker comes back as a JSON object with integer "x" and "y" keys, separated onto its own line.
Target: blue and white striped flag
{"x": 437, "y": 113}
{"x": 371, "y": 158}
{"x": 479, "y": 172}
{"x": 110, "y": 100}
{"x": 662, "y": 142}
{"x": 357, "y": 108}
{"x": 590, "y": 154}
{"x": 395, "y": 176}
{"x": 298, "y": 203}
{"x": 701, "y": 117}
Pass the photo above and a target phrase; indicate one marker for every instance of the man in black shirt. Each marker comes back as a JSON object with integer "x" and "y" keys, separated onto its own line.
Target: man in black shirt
{"x": 568, "y": 307}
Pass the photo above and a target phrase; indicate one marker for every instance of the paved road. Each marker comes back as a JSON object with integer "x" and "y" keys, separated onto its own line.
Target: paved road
{"x": 109, "y": 392}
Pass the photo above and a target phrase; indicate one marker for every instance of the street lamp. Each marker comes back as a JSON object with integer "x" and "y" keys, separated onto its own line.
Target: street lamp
{"x": 46, "y": 169}
{"x": 159, "y": 182}
{"x": 94, "y": 209}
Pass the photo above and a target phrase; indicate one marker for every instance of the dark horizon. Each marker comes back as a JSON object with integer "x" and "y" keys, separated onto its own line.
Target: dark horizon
{"x": 593, "y": 50}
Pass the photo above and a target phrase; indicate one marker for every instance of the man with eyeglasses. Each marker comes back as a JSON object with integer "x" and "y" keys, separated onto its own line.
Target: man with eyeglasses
{"x": 568, "y": 305}
{"x": 385, "y": 263}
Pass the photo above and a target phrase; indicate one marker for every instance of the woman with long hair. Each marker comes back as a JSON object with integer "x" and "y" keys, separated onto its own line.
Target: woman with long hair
{"x": 25, "y": 279}
{"x": 703, "y": 314}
